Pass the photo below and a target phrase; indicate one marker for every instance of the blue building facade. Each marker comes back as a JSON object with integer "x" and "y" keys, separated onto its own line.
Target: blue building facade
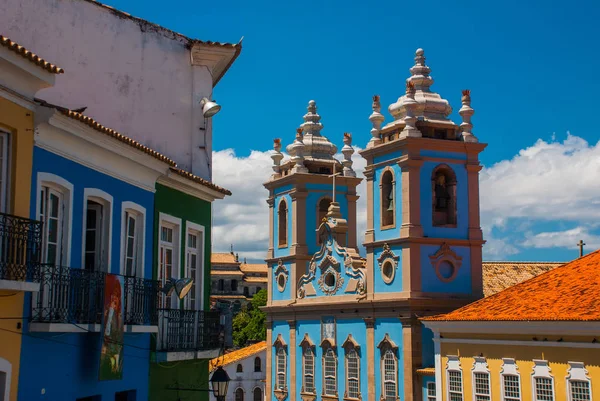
{"x": 93, "y": 190}
{"x": 344, "y": 326}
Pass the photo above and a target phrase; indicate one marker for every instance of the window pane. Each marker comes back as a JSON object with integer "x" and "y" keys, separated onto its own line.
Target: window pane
{"x": 51, "y": 255}
{"x": 130, "y": 246}
{"x": 131, "y": 231}
{"x": 482, "y": 386}
{"x": 543, "y": 389}
{"x": 53, "y": 230}
{"x": 580, "y": 390}
{"x": 54, "y": 203}
{"x": 511, "y": 387}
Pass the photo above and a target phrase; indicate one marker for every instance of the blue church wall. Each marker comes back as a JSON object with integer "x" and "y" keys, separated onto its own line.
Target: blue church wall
{"x": 396, "y": 284}
{"x": 443, "y": 155}
{"x": 284, "y": 329}
{"x": 312, "y": 202}
{"x": 462, "y": 207}
{"x": 358, "y": 329}
{"x": 66, "y": 365}
{"x": 393, "y": 327}
{"x": 282, "y": 251}
{"x": 427, "y": 350}
{"x": 429, "y": 279}
{"x": 388, "y": 156}
{"x": 389, "y": 233}
{"x": 313, "y": 329}
{"x": 286, "y": 293}
{"x": 82, "y": 177}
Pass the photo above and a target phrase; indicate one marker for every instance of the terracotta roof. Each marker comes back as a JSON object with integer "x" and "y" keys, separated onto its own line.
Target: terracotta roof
{"x": 426, "y": 372}
{"x": 222, "y": 258}
{"x": 226, "y": 273}
{"x": 254, "y": 268}
{"x": 107, "y": 131}
{"x": 228, "y": 296}
{"x": 498, "y": 276}
{"x": 256, "y": 279}
{"x": 570, "y": 292}
{"x": 238, "y": 355}
{"x": 199, "y": 180}
{"x": 35, "y": 59}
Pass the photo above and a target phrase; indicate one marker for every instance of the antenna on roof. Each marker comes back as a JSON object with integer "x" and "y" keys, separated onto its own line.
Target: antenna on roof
{"x": 231, "y": 249}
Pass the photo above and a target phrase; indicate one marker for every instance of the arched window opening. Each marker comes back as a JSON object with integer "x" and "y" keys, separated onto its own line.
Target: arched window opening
{"x": 257, "y": 364}
{"x": 322, "y": 209}
{"x": 282, "y": 226}
{"x": 389, "y": 376}
{"x": 258, "y": 394}
{"x": 240, "y": 368}
{"x": 388, "y": 201}
{"x": 443, "y": 182}
{"x": 309, "y": 369}
{"x": 329, "y": 373}
{"x": 239, "y": 395}
{"x": 281, "y": 370}
{"x": 353, "y": 374}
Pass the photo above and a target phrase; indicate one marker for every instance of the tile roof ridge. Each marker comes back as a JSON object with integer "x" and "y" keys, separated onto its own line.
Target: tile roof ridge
{"x": 520, "y": 262}
{"x": 29, "y": 55}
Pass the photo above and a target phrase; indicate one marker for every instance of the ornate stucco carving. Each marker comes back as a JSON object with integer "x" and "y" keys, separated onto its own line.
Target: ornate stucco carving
{"x": 445, "y": 255}
{"x": 281, "y": 275}
{"x": 388, "y": 256}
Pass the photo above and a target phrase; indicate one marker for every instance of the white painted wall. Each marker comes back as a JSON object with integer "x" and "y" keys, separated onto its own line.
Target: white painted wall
{"x": 133, "y": 77}
{"x": 248, "y": 380}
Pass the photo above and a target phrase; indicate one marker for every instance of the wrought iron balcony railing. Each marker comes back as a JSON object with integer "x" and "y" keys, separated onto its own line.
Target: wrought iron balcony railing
{"x": 20, "y": 248}
{"x": 76, "y": 296}
{"x": 188, "y": 330}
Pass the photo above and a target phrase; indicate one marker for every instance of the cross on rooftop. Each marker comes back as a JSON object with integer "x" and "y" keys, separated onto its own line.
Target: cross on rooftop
{"x": 580, "y": 244}
{"x": 334, "y": 174}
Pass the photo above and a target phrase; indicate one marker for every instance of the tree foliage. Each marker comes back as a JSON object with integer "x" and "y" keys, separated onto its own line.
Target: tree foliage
{"x": 249, "y": 323}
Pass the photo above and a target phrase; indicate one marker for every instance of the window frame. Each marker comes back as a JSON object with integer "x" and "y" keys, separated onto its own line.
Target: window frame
{"x": 237, "y": 391}
{"x": 254, "y": 394}
{"x": 280, "y": 353}
{"x": 139, "y": 213}
{"x": 431, "y": 386}
{"x": 577, "y": 373}
{"x": 480, "y": 368}
{"x": 174, "y": 223}
{"x": 452, "y": 185}
{"x": 453, "y": 365}
{"x": 351, "y": 349}
{"x": 259, "y": 364}
{"x": 66, "y": 189}
{"x": 282, "y": 242}
{"x": 239, "y": 368}
{"x": 541, "y": 370}
{"x": 199, "y": 231}
{"x": 5, "y": 171}
{"x": 509, "y": 368}
{"x": 106, "y": 201}
{"x": 387, "y": 171}
{"x": 329, "y": 352}
{"x": 388, "y": 347}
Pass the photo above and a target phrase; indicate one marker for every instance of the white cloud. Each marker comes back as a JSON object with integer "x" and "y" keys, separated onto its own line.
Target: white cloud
{"x": 546, "y": 182}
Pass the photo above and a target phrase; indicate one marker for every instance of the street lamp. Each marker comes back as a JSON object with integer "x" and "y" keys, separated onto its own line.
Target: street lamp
{"x": 219, "y": 383}
{"x": 181, "y": 286}
{"x": 209, "y": 107}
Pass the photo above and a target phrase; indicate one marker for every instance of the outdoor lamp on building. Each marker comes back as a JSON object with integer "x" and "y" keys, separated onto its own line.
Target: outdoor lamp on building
{"x": 181, "y": 286}
{"x": 209, "y": 107}
{"x": 219, "y": 383}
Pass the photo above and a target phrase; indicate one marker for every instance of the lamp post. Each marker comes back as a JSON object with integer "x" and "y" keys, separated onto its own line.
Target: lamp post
{"x": 219, "y": 383}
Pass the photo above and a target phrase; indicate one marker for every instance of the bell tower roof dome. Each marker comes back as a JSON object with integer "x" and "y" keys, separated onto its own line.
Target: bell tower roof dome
{"x": 316, "y": 146}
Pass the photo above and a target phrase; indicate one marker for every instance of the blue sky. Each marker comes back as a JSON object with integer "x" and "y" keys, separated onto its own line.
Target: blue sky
{"x": 532, "y": 70}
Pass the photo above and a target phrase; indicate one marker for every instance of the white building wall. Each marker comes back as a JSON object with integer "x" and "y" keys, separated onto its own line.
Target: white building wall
{"x": 248, "y": 380}
{"x": 132, "y": 76}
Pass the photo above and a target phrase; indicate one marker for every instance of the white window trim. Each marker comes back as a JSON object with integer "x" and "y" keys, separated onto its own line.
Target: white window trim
{"x": 480, "y": 366}
{"x": 174, "y": 223}
{"x": 140, "y": 211}
{"x": 107, "y": 198}
{"x": 6, "y": 367}
{"x": 577, "y": 372}
{"x": 304, "y": 365}
{"x": 509, "y": 368}
{"x": 382, "y": 367}
{"x": 428, "y": 386}
{"x": 277, "y": 371}
{"x": 541, "y": 369}
{"x": 335, "y": 373}
{"x": 64, "y": 186}
{"x": 453, "y": 365}
{"x": 347, "y": 360}
{"x": 7, "y": 171}
{"x": 190, "y": 228}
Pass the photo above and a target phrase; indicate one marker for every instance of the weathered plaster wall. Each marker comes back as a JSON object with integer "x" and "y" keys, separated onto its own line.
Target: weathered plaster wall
{"x": 248, "y": 380}
{"x": 132, "y": 77}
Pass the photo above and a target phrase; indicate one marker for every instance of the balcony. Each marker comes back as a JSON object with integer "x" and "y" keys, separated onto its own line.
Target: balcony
{"x": 20, "y": 245}
{"x": 188, "y": 334}
{"x": 72, "y": 300}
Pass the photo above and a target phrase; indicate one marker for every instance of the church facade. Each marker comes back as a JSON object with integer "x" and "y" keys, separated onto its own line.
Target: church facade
{"x": 340, "y": 326}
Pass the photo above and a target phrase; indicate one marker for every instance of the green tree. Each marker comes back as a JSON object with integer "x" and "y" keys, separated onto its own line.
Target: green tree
{"x": 249, "y": 323}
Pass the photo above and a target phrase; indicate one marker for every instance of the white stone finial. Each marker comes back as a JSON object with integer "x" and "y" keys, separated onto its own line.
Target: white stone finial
{"x": 316, "y": 146}
{"x": 420, "y": 72}
{"x": 410, "y": 104}
{"x": 376, "y": 119}
{"x": 312, "y": 124}
{"x": 296, "y": 151}
{"x": 466, "y": 112}
{"x": 277, "y": 156}
{"x": 348, "y": 151}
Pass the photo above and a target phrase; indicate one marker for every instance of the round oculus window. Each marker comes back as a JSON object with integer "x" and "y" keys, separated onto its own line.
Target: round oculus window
{"x": 329, "y": 279}
{"x": 281, "y": 281}
{"x": 388, "y": 271}
{"x": 446, "y": 270}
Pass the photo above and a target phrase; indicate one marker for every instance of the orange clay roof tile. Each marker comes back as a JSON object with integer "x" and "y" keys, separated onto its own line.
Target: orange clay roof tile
{"x": 254, "y": 268}
{"x": 237, "y": 355}
{"x": 23, "y": 52}
{"x": 570, "y": 292}
{"x": 200, "y": 180}
{"x": 222, "y": 258}
{"x": 498, "y": 276}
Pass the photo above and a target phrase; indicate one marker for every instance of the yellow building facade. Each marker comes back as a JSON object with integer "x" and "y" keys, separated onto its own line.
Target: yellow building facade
{"x": 536, "y": 341}
{"x": 22, "y": 75}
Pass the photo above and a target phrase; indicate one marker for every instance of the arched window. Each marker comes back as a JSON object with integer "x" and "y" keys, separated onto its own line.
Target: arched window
{"x": 388, "y": 201}
{"x": 353, "y": 374}
{"x": 257, "y": 364}
{"x": 443, "y": 186}
{"x": 389, "y": 369}
{"x": 221, "y": 285}
{"x": 309, "y": 370}
{"x": 239, "y": 395}
{"x": 257, "y": 394}
{"x": 239, "y": 368}
{"x": 282, "y": 224}
{"x": 281, "y": 370}
{"x": 322, "y": 209}
{"x": 329, "y": 373}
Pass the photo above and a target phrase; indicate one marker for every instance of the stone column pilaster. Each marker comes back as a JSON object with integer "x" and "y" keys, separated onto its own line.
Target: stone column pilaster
{"x": 371, "y": 358}
{"x": 270, "y": 253}
{"x": 411, "y": 202}
{"x": 292, "y": 350}
{"x": 268, "y": 367}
